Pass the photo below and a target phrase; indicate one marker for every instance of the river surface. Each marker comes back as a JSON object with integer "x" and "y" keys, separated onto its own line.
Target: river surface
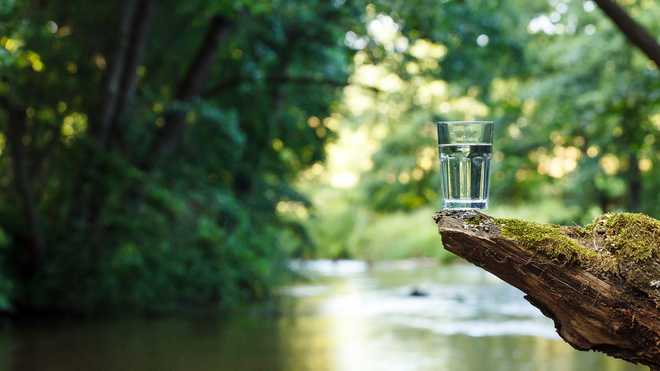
{"x": 345, "y": 317}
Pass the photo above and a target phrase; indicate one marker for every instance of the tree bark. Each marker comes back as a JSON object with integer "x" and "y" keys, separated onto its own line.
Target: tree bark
{"x": 615, "y": 310}
{"x": 634, "y": 32}
{"x": 136, "y": 45}
{"x": 119, "y": 89}
{"x": 634, "y": 179}
{"x": 112, "y": 80}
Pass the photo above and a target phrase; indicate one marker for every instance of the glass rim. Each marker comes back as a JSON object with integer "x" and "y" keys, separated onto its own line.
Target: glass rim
{"x": 465, "y": 122}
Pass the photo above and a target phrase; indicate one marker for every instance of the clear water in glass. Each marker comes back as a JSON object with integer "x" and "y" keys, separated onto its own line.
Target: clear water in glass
{"x": 465, "y": 171}
{"x": 465, "y": 153}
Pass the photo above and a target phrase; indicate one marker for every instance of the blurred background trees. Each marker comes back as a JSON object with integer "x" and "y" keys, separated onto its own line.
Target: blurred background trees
{"x": 146, "y": 145}
{"x": 161, "y": 154}
{"x": 575, "y": 106}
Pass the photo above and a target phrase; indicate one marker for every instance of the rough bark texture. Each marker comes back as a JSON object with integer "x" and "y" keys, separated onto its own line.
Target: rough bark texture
{"x": 601, "y": 295}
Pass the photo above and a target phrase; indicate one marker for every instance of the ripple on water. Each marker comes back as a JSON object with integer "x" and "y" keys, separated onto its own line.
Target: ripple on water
{"x": 462, "y": 300}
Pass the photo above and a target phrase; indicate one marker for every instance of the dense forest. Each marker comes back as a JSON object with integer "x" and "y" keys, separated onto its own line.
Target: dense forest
{"x": 158, "y": 155}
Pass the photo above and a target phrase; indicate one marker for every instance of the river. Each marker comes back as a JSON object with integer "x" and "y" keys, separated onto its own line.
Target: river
{"x": 344, "y": 316}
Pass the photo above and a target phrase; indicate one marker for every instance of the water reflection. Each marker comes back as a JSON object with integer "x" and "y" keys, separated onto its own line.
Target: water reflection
{"x": 345, "y": 318}
{"x": 470, "y": 321}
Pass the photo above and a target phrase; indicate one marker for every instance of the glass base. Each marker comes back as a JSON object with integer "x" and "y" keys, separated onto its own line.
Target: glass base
{"x": 464, "y": 204}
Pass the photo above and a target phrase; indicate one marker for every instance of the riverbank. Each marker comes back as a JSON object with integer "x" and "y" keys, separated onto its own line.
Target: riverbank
{"x": 345, "y": 315}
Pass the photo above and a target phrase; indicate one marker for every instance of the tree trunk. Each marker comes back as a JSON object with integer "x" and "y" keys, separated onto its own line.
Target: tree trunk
{"x": 112, "y": 79}
{"x": 600, "y": 284}
{"x": 16, "y": 128}
{"x": 119, "y": 88}
{"x": 137, "y": 40}
{"x": 634, "y": 179}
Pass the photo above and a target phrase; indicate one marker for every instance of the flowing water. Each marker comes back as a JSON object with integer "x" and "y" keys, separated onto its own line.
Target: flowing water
{"x": 465, "y": 170}
{"x": 347, "y": 317}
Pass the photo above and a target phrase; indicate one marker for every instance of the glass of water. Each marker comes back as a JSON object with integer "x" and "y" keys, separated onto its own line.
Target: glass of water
{"x": 465, "y": 151}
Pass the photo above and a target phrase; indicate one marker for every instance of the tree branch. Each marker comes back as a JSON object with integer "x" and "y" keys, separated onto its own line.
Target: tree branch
{"x": 635, "y": 33}
{"x": 224, "y": 85}
{"x": 120, "y": 89}
{"x": 600, "y": 284}
{"x": 136, "y": 46}
{"x": 114, "y": 75}
{"x": 168, "y": 137}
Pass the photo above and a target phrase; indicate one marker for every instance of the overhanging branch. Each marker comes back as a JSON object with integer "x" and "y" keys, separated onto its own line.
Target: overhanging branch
{"x": 635, "y": 33}
{"x": 168, "y": 137}
{"x": 232, "y": 82}
{"x": 600, "y": 284}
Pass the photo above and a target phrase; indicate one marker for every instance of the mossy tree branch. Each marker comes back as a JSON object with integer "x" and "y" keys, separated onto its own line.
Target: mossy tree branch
{"x": 600, "y": 283}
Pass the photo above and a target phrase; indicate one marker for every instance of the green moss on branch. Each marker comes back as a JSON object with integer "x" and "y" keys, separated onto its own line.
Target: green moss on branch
{"x": 548, "y": 239}
{"x": 628, "y": 236}
{"x": 612, "y": 239}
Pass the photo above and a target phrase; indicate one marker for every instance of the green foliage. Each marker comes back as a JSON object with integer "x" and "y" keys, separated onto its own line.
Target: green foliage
{"x": 342, "y": 229}
{"x": 597, "y": 93}
{"x": 123, "y": 227}
{"x": 6, "y": 284}
{"x": 402, "y": 235}
{"x": 575, "y": 109}
{"x": 192, "y": 196}
{"x": 336, "y": 224}
{"x": 575, "y": 106}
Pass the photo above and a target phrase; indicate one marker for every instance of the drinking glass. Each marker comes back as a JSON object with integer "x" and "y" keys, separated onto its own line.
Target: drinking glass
{"x": 465, "y": 150}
